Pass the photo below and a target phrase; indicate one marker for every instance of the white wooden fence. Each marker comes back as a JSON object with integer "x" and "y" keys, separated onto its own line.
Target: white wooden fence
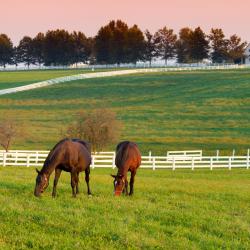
{"x": 173, "y": 160}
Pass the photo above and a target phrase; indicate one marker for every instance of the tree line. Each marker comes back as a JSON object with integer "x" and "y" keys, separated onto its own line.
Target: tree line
{"x": 117, "y": 43}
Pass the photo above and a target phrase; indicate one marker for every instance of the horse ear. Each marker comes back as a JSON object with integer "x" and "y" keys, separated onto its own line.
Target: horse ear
{"x": 37, "y": 171}
{"x": 113, "y": 175}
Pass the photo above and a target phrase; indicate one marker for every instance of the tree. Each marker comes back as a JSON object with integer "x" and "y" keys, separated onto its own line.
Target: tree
{"x": 167, "y": 43}
{"x": 236, "y": 49}
{"x": 38, "y": 48}
{"x": 150, "y": 51}
{"x": 25, "y": 50}
{"x": 183, "y": 45}
{"x": 111, "y": 43}
{"x": 6, "y": 50}
{"x": 58, "y": 48}
{"x": 135, "y": 44}
{"x": 81, "y": 47}
{"x": 16, "y": 58}
{"x": 199, "y": 45}
{"x": 218, "y": 45}
{"x": 99, "y": 127}
{"x": 8, "y": 131}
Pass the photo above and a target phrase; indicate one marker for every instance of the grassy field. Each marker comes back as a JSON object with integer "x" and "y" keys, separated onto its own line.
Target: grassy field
{"x": 206, "y": 110}
{"x": 169, "y": 210}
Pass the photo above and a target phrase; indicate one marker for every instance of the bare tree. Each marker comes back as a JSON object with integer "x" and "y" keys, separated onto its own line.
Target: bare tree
{"x": 100, "y": 128}
{"x": 8, "y": 131}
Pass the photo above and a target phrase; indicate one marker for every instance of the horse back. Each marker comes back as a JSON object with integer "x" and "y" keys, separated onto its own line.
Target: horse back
{"x": 128, "y": 155}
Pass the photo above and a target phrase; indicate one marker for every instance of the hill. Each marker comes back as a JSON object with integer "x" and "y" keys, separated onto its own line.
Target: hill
{"x": 206, "y": 110}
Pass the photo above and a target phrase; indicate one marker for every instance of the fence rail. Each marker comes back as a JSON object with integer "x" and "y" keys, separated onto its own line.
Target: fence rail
{"x": 107, "y": 160}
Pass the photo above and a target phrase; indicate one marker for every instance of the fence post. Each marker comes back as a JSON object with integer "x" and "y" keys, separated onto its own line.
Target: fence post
{"x": 149, "y": 155}
{"x": 217, "y": 155}
{"x": 93, "y": 161}
{"x": 173, "y": 163}
{"x": 233, "y": 154}
{"x": 28, "y": 160}
{"x": 230, "y": 163}
{"x": 248, "y": 152}
{"x": 4, "y": 159}
{"x": 211, "y": 163}
{"x": 113, "y": 162}
{"x": 153, "y": 158}
{"x": 192, "y": 163}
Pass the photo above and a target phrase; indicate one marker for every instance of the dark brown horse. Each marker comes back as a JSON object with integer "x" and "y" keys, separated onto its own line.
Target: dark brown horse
{"x": 70, "y": 155}
{"x": 128, "y": 158}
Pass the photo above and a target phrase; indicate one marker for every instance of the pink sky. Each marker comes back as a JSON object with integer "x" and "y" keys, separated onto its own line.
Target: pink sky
{"x": 28, "y": 17}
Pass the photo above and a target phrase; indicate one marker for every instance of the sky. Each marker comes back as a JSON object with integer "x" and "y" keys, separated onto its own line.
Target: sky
{"x": 28, "y": 17}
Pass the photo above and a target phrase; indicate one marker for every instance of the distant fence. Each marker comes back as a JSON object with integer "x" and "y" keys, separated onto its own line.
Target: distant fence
{"x": 173, "y": 160}
{"x": 114, "y": 73}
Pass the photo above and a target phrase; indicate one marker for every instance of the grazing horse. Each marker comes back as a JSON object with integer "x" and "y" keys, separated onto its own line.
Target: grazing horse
{"x": 70, "y": 155}
{"x": 128, "y": 158}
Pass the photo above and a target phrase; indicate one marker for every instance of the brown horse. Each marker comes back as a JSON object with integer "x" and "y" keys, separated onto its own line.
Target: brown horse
{"x": 70, "y": 155}
{"x": 128, "y": 158}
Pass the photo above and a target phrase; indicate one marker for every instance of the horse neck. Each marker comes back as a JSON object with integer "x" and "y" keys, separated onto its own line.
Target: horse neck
{"x": 48, "y": 168}
{"x": 123, "y": 169}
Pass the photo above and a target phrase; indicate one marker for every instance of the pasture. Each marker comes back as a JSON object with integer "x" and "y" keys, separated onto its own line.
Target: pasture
{"x": 205, "y": 110}
{"x": 170, "y": 210}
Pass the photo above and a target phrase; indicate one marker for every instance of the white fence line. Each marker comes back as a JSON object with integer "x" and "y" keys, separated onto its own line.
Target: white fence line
{"x": 112, "y": 73}
{"x": 107, "y": 160}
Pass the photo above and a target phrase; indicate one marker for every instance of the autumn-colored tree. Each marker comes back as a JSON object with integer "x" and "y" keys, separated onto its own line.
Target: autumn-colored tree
{"x": 236, "y": 49}
{"x": 183, "y": 45}
{"x": 6, "y": 50}
{"x": 8, "y": 132}
{"x": 100, "y": 128}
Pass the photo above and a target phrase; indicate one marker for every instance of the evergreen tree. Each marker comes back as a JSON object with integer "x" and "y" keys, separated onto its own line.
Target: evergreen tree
{"x": 199, "y": 45}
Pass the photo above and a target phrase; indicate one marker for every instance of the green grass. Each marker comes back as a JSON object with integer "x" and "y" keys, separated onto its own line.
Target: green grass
{"x": 206, "y": 110}
{"x": 183, "y": 209}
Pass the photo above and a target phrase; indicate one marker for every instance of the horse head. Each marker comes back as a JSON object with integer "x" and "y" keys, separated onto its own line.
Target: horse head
{"x": 119, "y": 184}
{"x": 42, "y": 182}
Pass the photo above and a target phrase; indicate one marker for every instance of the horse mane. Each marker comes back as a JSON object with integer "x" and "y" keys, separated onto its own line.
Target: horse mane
{"x": 51, "y": 153}
{"x": 122, "y": 153}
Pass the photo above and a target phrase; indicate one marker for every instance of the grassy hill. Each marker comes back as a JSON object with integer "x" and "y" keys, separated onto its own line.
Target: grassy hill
{"x": 206, "y": 110}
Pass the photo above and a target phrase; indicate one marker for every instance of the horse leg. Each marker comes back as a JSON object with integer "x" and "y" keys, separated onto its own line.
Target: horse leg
{"x": 132, "y": 179}
{"x": 57, "y": 175}
{"x": 73, "y": 183}
{"x": 126, "y": 187}
{"x": 87, "y": 172}
{"x": 77, "y": 189}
